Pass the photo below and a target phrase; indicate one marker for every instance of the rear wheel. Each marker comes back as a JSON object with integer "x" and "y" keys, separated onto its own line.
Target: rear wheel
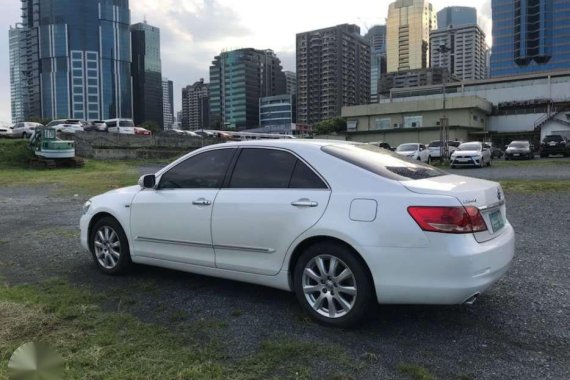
{"x": 333, "y": 285}
{"x": 109, "y": 246}
{"x": 24, "y": 135}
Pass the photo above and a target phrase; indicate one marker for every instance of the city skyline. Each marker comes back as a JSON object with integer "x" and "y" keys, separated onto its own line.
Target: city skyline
{"x": 193, "y": 31}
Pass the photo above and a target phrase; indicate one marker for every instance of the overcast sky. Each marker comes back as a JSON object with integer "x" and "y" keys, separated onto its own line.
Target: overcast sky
{"x": 194, "y": 31}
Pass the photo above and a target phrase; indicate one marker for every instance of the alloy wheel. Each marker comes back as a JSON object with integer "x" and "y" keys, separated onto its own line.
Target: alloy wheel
{"x": 107, "y": 247}
{"x": 329, "y": 286}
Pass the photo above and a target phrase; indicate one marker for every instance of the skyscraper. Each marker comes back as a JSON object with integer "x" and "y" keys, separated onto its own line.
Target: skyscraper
{"x": 196, "y": 106}
{"x": 530, "y": 36}
{"x": 19, "y": 85}
{"x": 407, "y": 38}
{"x": 467, "y": 57}
{"x": 291, "y": 82}
{"x": 147, "y": 74}
{"x": 376, "y": 36}
{"x": 333, "y": 70}
{"x": 456, "y": 16}
{"x": 168, "y": 102}
{"x": 238, "y": 79}
{"x": 78, "y": 58}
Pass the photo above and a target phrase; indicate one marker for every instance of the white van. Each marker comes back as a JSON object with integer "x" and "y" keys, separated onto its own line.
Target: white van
{"x": 121, "y": 126}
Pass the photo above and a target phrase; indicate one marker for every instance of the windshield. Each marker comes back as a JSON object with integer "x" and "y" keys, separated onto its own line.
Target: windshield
{"x": 407, "y": 148}
{"x": 434, "y": 144}
{"x": 126, "y": 123}
{"x": 518, "y": 145}
{"x": 382, "y": 162}
{"x": 469, "y": 146}
{"x": 556, "y": 138}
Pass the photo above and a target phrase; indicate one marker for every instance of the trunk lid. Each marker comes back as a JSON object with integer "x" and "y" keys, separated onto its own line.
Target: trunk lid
{"x": 487, "y": 196}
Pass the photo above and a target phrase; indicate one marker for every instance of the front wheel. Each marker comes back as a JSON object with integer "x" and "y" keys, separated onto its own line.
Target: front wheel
{"x": 110, "y": 247}
{"x": 333, "y": 285}
{"x": 429, "y": 160}
{"x": 24, "y": 135}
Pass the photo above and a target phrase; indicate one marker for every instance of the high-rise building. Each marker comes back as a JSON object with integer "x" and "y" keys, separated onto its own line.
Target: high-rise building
{"x": 168, "y": 103}
{"x": 18, "y": 83}
{"x": 529, "y": 36}
{"x": 414, "y": 78}
{"x": 195, "y": 106}
{"x": 147, "y": 74}
{"x": 456, "y": 16}
{"x": 376, "y": 36}
{"x": 291, "y": 82}
{"x": 465, "y": 55}
{"x": 277, "y": 111}
{"x": 78, "y": 58}
{"x": 407, "y": 37}
{"x": 333, "y": 70}
{"x": 238, "y": 79}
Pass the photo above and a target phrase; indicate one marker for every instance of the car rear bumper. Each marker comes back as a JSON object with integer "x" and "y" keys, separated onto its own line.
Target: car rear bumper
{"x": 450, "y": 271}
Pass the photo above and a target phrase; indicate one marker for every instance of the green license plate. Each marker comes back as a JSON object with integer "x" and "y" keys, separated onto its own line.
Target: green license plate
{"x": 497, "y": 221}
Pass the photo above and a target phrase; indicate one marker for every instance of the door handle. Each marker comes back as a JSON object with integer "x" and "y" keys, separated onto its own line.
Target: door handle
{"x": 201, "y": 202}
{"x": 304, "y": 203}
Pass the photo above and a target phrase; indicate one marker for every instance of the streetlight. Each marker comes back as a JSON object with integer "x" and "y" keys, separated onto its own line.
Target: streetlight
{"x": 444, "y": 127}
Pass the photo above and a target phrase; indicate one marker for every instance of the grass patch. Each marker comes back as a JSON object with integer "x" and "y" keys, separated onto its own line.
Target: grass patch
{"x": 532, "y": 163}
{"x": 94, "y": 178}
{"x": 415, "y": 372}
{"x": 99, "y": 344}
{"x": 536, "y": 186}
{"x": 14, "y": 153}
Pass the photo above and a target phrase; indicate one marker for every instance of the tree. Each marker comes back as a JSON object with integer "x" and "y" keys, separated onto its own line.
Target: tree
{"x": 151, "y": 126}
{"x": 330, "y": 126}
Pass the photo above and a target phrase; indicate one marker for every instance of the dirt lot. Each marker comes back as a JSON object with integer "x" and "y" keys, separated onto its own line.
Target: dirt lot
{"x": 520, "y": 329}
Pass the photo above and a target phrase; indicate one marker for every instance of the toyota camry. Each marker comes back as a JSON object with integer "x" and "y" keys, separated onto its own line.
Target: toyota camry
{"x": 343, "y": 225}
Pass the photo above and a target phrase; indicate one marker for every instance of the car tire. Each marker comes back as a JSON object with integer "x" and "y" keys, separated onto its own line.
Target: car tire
{"x": 24, "y": 135}
{"x": 110, "y": 247}
{"x": 351, "y": 305}
{"x": 489, "y": 163}
{"x": 429, "y": 160}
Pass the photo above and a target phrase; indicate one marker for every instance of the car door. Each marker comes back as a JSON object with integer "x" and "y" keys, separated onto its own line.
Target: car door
{"x": 270, "y": 199}
{"x": 172, "y": 221}
{"x": 17, "y": 131}
{"x": 424, "y": 153}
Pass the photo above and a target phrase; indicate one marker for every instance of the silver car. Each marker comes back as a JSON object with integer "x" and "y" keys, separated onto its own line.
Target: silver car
{"x": 24, "y": 130}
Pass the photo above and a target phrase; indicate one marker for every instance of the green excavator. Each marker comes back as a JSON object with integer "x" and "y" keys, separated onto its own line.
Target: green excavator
{"x": 51, "y": 152}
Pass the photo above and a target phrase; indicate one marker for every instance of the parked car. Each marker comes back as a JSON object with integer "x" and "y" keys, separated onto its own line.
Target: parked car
{"x": 121, "y": 126}
{"x": 496, "y": 152}
{"x": 414, "y": 151}
{"x": 382, "y": 144}
{"x": 70, "y": 128}
{"x": 24, "y": 130}
{"x": 554, "y": 144}
{"x": 96, "y": 126}
{"x": 57, "y": 123}
{"x": 419, "y": 236}
{"x": 6, "y": 130}
{"x": 471, "y": 154}
{"x": 174, "y": 132}
{"x": 142, "y": 131}
{"x": 519, "y": 150}
{"x": 434, "y": 148}
{"x": 204, "y": 133}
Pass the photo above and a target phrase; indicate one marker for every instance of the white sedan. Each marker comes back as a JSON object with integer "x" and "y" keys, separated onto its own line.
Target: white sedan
{"x": 471, "y": 154}
{"x": 343, "y": 225}
{"x": 414, "y": 151}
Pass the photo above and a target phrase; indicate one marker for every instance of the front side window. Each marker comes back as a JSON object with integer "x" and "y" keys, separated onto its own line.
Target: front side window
{"x": 203, "y": 171}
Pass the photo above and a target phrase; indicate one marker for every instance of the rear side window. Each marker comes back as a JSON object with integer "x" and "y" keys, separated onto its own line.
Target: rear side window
{"x": 272, "y": 169}
{"x": 383, "y": 163}
{"x": 203, "y": 171}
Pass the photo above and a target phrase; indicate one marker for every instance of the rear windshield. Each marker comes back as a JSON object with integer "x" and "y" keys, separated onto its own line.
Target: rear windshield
{"x": 434, "y": 144}
{"x": 407, "y": 148}
{"x": 382, "y": 162}
{"x": 518, "y": 145}
{"x": 556, "y": 138}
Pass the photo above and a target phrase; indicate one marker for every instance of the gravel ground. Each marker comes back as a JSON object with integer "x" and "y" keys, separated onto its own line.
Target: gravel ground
{"x": 520, "y": 329}
{"x": 542, "y": 169}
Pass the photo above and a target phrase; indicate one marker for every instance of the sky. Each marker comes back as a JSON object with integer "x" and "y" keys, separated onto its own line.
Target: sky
{"x": 193, "y": 32}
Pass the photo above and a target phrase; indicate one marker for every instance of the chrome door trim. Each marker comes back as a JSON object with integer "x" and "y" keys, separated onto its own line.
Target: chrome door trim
{"x": 173, "y": 242}
{"x": 245, "y": 249}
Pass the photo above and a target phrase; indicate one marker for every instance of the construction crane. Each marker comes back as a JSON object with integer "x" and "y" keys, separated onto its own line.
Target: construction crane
{"x": 51, "y": 152}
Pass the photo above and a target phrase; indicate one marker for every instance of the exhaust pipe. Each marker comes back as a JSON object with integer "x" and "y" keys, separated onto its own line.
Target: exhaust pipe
{"x": 471, "y": 300}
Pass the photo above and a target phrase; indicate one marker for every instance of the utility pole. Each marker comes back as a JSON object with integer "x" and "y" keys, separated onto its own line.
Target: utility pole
{"x": 444, "y": 122}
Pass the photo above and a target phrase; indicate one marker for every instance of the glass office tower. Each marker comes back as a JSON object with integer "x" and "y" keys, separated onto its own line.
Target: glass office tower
{"x": 530, "y": 36}
{"x": 147, "y": 74}
{"x": 377, "y": 38}
{"x": 80, "y": 53}
{"x": 456, "y": 16}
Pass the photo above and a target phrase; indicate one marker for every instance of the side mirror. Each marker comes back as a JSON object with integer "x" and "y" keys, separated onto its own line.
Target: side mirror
{"x": 147, "y": 181}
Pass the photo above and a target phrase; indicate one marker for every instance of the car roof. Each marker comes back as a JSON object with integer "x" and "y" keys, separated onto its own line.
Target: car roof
{"x": 290, "y": 143}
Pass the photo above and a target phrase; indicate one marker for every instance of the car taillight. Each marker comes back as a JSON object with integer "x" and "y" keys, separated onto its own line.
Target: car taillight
{"x": 452, "y": 220}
